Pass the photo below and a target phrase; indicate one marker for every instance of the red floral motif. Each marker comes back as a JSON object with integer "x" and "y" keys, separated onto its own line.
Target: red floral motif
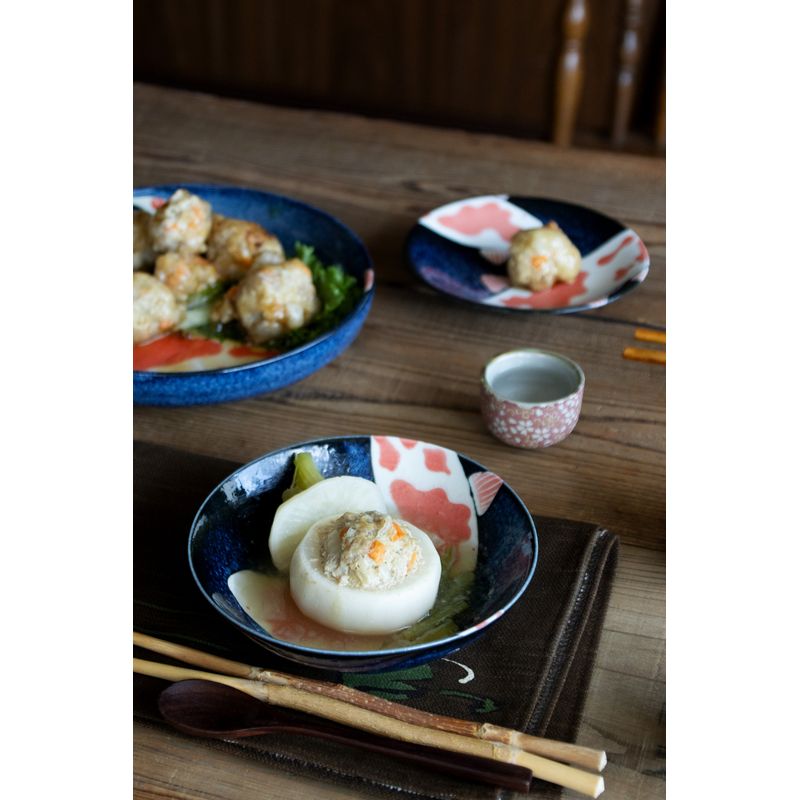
{"x": 171, "y": 349}
{"x": 157, "y": 202}
{"x": 621, "y": 273}
{"x": 485, "y": 486}
{"x": 389, "y": 458}
{"x": 643, "y": 254}
{"x": 557, "y": 297}
{"x": 432, "y": 510}
{"x": 436, "y": 460}
{"x": 471, "y": 220}
{"x": 409, "y": 444}
{"x": 609, "y": 257}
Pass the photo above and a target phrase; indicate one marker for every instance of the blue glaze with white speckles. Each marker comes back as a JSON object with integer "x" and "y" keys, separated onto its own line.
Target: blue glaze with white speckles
{"x": 291, "y": 221}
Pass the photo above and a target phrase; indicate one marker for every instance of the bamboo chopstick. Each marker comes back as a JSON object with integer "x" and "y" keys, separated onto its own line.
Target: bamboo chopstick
{"x": 374, "y": 722}
{"x": 548, "y": 748}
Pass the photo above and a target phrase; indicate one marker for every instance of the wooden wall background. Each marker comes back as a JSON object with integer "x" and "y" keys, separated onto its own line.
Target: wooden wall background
{"x": 477, "y": 64}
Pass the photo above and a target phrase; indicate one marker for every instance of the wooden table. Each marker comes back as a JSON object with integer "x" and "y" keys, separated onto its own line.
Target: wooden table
{"x": 413, "y": 372}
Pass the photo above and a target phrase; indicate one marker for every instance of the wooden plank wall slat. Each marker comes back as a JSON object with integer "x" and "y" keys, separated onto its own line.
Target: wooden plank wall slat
{"x": 479, "y": 64}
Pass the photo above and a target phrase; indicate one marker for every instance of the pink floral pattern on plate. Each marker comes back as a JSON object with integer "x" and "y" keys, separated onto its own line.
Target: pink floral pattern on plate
{"x": 426, "y": 485}
{"x": 531, "y": 426}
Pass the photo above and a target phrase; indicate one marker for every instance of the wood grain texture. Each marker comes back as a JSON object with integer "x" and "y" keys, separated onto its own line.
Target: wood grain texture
{"x": 414, "y": 371}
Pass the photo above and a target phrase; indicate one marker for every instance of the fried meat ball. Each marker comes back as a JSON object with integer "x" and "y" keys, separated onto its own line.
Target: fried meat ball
{"x": 224, "y": 310}
{"x": 143, "y": 255}
{"x": 182, "y": 223}
{"x": 274, "y": 300}
{"x": 185, "y": 273}
{"x": 542, "y": 256}
{"x": 234, "y": 244}
{"x": 155, "y": 309}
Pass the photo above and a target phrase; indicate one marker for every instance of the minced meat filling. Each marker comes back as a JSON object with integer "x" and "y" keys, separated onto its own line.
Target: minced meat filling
{"x": 368, "y": 550}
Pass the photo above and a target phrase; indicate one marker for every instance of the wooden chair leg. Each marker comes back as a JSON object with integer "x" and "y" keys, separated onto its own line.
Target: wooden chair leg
{"x": 569, "y": 80}
{"x": 626, "y": 77}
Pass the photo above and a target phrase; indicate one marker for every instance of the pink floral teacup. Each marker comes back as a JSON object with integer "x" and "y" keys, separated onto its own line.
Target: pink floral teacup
{"x": 531, "y": 398}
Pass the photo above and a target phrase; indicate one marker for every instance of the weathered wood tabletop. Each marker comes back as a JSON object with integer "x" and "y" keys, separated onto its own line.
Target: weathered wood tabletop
{"x": 413, "y": 372}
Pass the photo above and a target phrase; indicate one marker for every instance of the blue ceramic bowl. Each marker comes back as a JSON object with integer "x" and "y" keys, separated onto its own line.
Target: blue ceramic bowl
{"x": 291, "y": 221}
{"x": 230, "y": 533}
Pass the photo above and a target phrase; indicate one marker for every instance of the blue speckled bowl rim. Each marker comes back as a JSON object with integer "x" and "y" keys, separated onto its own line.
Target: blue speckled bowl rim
{"x": 622, "y": 290}
{"x": 410, "y": 649}
{"x": 365, "y": 298}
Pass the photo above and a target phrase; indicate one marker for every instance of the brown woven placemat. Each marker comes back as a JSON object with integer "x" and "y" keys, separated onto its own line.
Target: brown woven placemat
{"x": 530, "y": 671}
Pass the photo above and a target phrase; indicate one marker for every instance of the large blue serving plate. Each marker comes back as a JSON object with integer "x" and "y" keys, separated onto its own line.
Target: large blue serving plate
{"x": 291, "y": 221}
{"x": 230, "y": 533}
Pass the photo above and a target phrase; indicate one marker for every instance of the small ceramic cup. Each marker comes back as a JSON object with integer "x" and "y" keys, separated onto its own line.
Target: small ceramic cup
{"x": 531, "y": 398}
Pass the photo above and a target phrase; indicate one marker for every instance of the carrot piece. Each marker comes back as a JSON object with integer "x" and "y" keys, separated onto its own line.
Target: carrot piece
{"x": 377, "y": 551}
{"x": 399, "y": 533}
{"x": 411, "y": 562}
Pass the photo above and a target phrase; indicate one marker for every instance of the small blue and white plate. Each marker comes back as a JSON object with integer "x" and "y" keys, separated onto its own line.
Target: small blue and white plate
{"x": 231, "y": 371}
{"x": 460, "y": 250}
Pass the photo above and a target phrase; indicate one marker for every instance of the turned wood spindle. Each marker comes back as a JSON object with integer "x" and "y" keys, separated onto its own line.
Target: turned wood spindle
{"x": 626, "y": 77}
{"x": 569, "y": 80}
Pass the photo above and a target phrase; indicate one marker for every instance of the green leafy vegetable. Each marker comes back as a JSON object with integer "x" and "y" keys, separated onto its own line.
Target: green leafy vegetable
{"x": 453, "y": 598}
{"x": 333, "y": 284}
{"x": 207, "y": 296}
{"x": 305, "y": 474}
{"x": 338, "y": 293}
{"x": 198, "y": 320}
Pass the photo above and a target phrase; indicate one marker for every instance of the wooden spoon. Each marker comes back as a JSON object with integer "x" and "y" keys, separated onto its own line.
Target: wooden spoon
{"x": 204, "y": 708}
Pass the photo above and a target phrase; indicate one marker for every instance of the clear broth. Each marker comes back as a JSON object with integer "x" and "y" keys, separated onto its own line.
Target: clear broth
{"x": 526, "y": 385}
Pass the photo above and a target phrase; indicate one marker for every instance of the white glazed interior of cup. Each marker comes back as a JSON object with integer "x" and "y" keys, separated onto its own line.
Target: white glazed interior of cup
{"x": 532, "y": 377}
